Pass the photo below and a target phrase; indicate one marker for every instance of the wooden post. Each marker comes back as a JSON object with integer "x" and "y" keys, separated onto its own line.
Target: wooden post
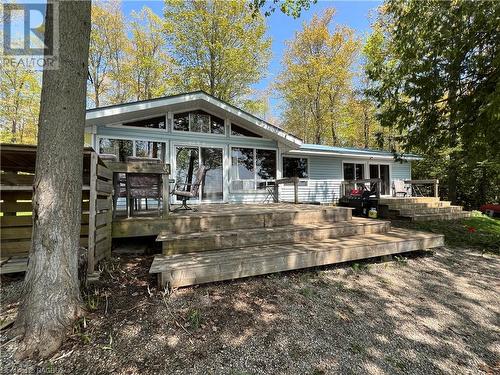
{"x": 165, "y": 195}
{"x": 436, "y": 188}
{"x": 276, "y": 192}
{"x": 92, "y": 212}
{"x": 296, "y": 190}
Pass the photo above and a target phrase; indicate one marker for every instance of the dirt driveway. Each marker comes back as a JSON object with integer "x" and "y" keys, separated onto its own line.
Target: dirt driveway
{"x": 428, "y": 314}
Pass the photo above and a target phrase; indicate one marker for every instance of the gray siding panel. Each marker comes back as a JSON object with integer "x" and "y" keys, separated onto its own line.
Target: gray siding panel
{"x": 401, "y": 171}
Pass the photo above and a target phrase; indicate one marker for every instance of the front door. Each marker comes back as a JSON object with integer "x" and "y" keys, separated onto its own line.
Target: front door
{"x": 187, "y": 161}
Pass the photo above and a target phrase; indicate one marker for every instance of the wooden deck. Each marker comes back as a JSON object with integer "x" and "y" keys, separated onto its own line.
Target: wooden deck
{"x": 209, "y": 266}
{"x": 226, "y": 242}
{"x": 205, "y": 216}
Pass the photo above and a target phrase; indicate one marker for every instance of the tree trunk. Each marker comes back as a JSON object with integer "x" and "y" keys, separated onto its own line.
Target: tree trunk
{"x": 51, "y": 296}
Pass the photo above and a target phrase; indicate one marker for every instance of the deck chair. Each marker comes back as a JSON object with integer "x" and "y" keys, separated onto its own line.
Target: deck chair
{"x": 185, "y": 191}
{"x": 399, "y": 187}
{"x": 143, "y": 185}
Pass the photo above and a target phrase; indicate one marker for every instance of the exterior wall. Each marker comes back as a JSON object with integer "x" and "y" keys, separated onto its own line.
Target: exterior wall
{"x": 323, "y": 185}
{"x": 325, "y": 172}
{"x": 177, "y": 138}
{"x": 401, "y": 171}
{"x": 326, "y": 175}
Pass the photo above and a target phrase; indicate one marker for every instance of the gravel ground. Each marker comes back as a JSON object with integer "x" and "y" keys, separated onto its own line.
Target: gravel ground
{"x": 427, "y": 314}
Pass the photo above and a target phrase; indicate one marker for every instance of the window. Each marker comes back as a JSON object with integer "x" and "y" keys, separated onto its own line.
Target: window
{"x": 239, "y": 131}
{"x": 119, "y": 147}
{"x": 198, "y": 122}
{"x": 354, "y": 171}
{"x": 252, "y": 168}
{"x": 295, "y": 167}
{"x": 149, "y": 149}
{"x": 124, "y": 148}
{"x": 152, "y": 123}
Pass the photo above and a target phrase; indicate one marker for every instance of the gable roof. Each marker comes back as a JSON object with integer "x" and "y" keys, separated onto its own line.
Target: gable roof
{"x": 113, "y": 113}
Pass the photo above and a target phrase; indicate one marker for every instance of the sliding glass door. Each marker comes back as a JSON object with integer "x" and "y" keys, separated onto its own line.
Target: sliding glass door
{"x": 187, "y": 161}
{"x": 382, "y": 171}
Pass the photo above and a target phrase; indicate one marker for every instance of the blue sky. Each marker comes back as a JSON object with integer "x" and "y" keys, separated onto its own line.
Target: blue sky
{"x": 355, "y": 14}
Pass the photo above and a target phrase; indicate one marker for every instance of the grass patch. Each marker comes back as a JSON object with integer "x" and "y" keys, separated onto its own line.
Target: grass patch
{"x": 478, "y": 231}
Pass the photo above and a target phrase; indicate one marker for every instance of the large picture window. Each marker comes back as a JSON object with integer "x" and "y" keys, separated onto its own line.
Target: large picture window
{"x": 295, "y": 167}
{"x": 198, "y": 122}
{"x": 252, "y": 168}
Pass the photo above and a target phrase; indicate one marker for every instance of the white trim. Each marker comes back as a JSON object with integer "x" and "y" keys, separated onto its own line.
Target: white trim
{"x": 354, "y": 156}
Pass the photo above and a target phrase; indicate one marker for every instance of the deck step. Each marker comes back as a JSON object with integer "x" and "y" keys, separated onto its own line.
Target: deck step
{"x": 204, "y": 241}
{"x": 255, "y": 218}
{"x": 440, "y": 216}
{"x": 209, "y": 266}
{"x": 390, "y": 201}
{"x": 433, "y": 210}
{"x": 403, "y": 205}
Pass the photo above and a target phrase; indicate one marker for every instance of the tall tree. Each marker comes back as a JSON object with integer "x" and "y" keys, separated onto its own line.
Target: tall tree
{"x": 435, "y": 69}
{"x": 217, "y": 46}
{"x": 316, "y": 78}
{"x": 148, "y": 67}
{"x": 51, "y": 298}
{"x": 20, "y": 98}
{"x": 108, "y": 42}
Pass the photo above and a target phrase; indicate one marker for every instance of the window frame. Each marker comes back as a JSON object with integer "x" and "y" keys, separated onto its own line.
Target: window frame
{"x": 99, "y": 137}
{"x": 231, "y": 135}
{"x": 189, "y": 111}
{"x": 365, "y": 168}
{"x": 255, "y": 179}
{"x": 296, "y": 157}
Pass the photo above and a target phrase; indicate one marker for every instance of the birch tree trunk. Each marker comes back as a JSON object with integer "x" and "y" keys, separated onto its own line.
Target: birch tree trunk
{"x": 51, "y": 297}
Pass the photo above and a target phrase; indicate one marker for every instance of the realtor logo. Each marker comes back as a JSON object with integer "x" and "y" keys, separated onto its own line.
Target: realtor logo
{"x": 24, "y": 41}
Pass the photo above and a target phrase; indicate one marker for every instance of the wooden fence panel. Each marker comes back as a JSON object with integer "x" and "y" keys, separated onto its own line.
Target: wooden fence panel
{"x": 16, "y": 192}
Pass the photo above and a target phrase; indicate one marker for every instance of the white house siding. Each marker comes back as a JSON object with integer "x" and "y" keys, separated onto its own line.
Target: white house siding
{"x": 326, "y": 175}
{"x": 323, "y": 185}
{"x": 401, "y": 171}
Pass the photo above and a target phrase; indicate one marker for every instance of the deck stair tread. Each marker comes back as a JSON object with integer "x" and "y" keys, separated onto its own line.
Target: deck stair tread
{"x": 167, "y": 236}
{"x": 200, "y": 267}
{"x": 427, "y": 210}
{"x": 441, "y": 216}
{"x": 403, "y": 205}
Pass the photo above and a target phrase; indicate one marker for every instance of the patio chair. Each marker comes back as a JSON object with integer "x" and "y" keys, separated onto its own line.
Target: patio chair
{"x": 190, "y": 190}
{"x": 399, "y": 187}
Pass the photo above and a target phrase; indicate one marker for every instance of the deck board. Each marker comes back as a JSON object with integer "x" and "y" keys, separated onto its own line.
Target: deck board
{"x": 202, "y": 267}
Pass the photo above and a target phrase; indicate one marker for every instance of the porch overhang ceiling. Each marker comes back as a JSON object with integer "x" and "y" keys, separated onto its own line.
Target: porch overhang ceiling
{"x": 120, "y": 113}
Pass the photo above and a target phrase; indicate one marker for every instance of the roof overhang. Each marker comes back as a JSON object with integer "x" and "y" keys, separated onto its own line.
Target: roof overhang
{"x": 353, "y": 155}
{"x": 125, "y": 112}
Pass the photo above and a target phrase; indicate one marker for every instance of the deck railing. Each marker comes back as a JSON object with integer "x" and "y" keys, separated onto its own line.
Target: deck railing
{"x": 424, "y": 188}
{"x": 289, "y": 180}
{"x": 374, "y": 185}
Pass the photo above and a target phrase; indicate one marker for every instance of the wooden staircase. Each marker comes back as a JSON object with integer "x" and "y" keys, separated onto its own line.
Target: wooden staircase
{"x": 420, "y": 209}
{"x": 224, "y": 245}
